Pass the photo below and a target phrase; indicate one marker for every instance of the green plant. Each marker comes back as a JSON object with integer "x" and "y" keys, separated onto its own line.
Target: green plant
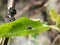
{"x": 22, "y": 27}
{"x": 55, "y": 17}
{"x": 25, "y": 26}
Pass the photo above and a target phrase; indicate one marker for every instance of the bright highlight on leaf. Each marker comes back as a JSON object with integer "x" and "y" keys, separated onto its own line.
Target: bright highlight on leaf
{"x": 20, "y": 27}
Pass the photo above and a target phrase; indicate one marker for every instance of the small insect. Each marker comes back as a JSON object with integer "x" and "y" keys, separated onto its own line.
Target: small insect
{"x": 12, "y": 11}
{"x": 10, "y": 14}
{"x": 29, "y": 27}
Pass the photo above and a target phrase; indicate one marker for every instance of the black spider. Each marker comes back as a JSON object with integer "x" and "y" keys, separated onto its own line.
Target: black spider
{"x": 12, "y": 11}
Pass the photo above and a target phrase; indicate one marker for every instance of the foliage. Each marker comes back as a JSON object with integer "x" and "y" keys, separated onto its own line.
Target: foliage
{"x": 22, "y": 27}
{"x": 25, "y": 26}
{"x": 55, "y": 17}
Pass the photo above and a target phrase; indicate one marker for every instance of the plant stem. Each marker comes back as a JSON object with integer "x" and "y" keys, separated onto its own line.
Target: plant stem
{"x": 53, "y": 27}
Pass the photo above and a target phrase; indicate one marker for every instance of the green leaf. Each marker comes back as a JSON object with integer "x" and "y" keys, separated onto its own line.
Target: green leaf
{"x": 58, "y": 20}
{"x": 53, "y": 14}
{"x": 22, "y": 27}
{"x": 55, "y": 17}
